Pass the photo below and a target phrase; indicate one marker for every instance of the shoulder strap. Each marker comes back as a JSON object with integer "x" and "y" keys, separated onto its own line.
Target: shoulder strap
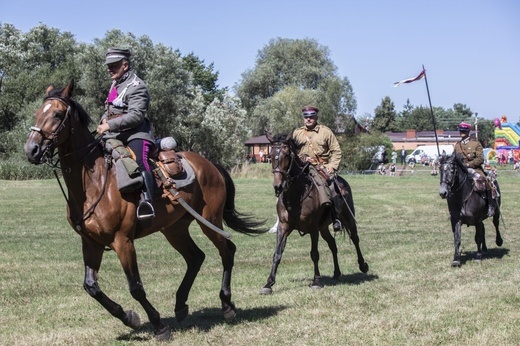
{"x": 312, "y": 148}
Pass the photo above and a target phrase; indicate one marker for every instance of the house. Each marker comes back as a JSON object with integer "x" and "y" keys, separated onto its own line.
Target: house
{"x": 255, "y": 145}
{"x": 411, "y": 139}
{"x": 261, "y": 143}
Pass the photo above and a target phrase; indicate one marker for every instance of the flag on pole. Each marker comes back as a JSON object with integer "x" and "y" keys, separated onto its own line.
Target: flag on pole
{"x": 409, "y": 80}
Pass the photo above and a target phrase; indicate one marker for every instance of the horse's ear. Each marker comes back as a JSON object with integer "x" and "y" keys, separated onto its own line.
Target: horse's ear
{"x": 49, "y": 89}
{"x": 68, "y": 90}
{"x": 289, "y": 136}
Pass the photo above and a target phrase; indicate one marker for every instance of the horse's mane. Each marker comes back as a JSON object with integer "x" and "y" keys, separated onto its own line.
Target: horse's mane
{"x": 457, "y": 159}
{"x": 82, "y": 115}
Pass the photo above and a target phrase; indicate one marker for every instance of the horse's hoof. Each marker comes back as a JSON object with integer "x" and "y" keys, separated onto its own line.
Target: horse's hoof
{"x": 163, "y": 334}
{"x": 316, "y": 286}
{"x": 455, "y": 263}
{"x": 132, "y": 319}
{"x": 266, "y": 290}
{"x": 499, "y": 242}
{"x": 363, "y": 267}
{"x": 229, "y": 315}
{"x": 181, "y": 314}
{"x": 336, "y": 276}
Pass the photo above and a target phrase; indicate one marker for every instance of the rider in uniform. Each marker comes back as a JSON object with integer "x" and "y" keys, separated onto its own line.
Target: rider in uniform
{"x": 473, "y": 157}
{"x": 318, "y": 145}
{"x": 126, "y": 119}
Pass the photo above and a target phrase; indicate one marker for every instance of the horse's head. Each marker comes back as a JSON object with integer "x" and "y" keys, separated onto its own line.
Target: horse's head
{"x": 449, "y": 168}
{"x": 282, "y": 159}
{"x": 52, "y": 127}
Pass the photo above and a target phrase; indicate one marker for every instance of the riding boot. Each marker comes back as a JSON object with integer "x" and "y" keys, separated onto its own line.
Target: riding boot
{"x": 491, "y": 203}
{"x": 145, "y": 209}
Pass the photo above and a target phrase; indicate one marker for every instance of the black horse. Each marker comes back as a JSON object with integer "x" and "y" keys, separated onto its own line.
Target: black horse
{"x": 466, "y": 206}
{"x": 299, "y": 208}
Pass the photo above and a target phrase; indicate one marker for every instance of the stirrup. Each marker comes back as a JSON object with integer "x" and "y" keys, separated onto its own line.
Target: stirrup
{"x": 145, "y": 210}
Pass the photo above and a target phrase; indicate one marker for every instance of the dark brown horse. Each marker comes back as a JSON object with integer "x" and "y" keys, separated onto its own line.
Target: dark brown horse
{"x": 299, "y": 208}
{"x": 466, "y": 206}
{"x": 105, "y": 218}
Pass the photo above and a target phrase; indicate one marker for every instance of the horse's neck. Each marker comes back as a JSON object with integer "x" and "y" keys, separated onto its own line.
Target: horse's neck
{"x": 81, "y": 161}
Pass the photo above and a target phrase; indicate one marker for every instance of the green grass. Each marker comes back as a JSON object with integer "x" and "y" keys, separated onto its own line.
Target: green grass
{"x": 410, "y": 296}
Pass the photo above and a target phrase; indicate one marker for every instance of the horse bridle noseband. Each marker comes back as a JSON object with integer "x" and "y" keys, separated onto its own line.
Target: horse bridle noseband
{"x": 53, "y": 137}
{"x": 452, "y": 191}
{"x": 288, "y": 179}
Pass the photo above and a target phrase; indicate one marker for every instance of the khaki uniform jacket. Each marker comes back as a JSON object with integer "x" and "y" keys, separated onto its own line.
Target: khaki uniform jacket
{"x": 127, "y": 115}
{"x": 323, "y": 143}
{"x": 472, "y": 154}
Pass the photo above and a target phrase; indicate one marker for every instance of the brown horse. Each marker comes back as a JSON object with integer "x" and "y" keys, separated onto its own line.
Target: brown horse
{"x": 299, "y": 208}
{"x": 106, "y": 218}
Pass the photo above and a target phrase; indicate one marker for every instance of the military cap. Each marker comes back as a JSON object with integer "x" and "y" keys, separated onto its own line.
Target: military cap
{"x": 309, "y": 111}
{"x": 465, "y": 127}
{"x": 116, "y": 54}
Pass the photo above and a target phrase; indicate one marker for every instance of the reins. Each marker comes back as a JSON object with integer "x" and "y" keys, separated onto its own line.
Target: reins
{"x": 288, "y": 179}
{"x": 55, "y": 164}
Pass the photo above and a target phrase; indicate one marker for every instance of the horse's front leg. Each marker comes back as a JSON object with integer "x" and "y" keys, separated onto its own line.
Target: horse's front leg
{"x": 456, "y": 228}
{"x": 92, "y": 256}
{"x": 125, "y": 250}
{"x": 281, "y": 240}
{"x": 480, "y": 239}
{"x": 315, "y": 256}
{"x": 331, "y": 242}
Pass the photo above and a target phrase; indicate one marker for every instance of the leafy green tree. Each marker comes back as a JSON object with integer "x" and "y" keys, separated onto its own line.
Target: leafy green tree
{"x": 204, "y": 77}
{"x": 385, "y": 116}
{"x": 486, "y": 132}
{"x": 301, "y": 64}
{"x": 224, "y": 132}
{"x": 358, "y": 152}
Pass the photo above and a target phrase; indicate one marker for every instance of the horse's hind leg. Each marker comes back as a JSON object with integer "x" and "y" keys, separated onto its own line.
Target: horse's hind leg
{"x": 331, "y": 242}
{"x": 479, "y": 239}
{"x": 351, "y": 226}
{"x": 92, "y": 256}
{"x": 315, "y": 256}
{"x": 496, "y": 223}
{"x": 227, "y": 250}
{"x": 178, "y": 236}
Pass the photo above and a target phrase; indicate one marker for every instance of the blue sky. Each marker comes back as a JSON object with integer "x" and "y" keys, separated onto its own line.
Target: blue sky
{"x": 470, "y": 48}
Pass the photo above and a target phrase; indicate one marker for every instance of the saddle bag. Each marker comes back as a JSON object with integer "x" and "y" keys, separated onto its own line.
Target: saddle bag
{"x": 479, "y": 184}
{"x": 171, "y": 163}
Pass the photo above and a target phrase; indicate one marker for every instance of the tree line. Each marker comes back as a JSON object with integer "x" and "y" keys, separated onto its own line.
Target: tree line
{"x": 186, "y": 101}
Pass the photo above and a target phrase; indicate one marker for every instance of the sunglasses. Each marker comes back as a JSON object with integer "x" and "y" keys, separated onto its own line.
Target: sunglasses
{"x": 309, "y": 115}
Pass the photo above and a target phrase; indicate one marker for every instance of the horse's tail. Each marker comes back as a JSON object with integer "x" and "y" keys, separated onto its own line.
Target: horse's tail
{"x": 237, "y": 221}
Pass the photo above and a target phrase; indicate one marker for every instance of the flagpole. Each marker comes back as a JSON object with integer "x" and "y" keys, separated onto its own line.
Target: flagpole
{"x": 431, "y": 110}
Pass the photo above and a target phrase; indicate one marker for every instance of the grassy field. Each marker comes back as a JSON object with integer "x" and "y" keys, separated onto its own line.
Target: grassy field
{"x": 410, "y": 296}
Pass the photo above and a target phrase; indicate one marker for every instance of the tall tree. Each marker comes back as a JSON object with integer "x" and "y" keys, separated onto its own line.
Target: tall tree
{"x": 203, "y": 76}
{"x": 302, "y": 64}
{"x": 385, "y": 116}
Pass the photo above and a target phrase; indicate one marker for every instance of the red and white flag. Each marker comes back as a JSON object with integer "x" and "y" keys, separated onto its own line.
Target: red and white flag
{"x": 409, "y": 80}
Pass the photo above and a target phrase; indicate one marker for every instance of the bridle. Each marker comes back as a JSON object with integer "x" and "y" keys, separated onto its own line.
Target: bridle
{"x": 53, "y": 137}
{"x": 48, "y": 155}
{"x": 287, "y": 178}
{"x": 449, "y": 167}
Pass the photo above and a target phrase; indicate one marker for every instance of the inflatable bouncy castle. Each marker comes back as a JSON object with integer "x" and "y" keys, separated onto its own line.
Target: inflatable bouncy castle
{"x": 507, "y": 143}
